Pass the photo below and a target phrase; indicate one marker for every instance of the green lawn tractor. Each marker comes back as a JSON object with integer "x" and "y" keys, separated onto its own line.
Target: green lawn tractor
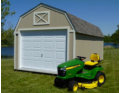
{"x": 76, "y": 73}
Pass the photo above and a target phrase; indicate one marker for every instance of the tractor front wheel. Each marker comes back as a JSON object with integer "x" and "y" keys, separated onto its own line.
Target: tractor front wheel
{"x": 73, "y": 86}
{"x": 100, "y": 77}
{"x": 59, "y": 83}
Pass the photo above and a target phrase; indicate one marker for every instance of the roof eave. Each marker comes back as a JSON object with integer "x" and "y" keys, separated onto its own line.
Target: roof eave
{"x": 91, "y": 35}
{"x": 43, "y": 5}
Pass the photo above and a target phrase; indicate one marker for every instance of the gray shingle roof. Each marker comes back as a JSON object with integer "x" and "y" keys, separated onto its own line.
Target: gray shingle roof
{"x": 84, "y": 27}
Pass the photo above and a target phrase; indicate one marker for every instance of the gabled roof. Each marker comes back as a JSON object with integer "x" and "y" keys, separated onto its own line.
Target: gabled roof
{"x": 80, "y": 26}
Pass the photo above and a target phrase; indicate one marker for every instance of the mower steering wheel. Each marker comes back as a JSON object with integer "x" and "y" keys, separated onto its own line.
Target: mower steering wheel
{"x": 81, "y": 58}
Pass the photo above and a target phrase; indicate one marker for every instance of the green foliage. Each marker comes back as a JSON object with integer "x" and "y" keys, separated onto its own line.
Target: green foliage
{"x": 5, "y": 11}
{"x": 7, "y": 38}
{"x": 107, "y": 38}
{"x": 115, "y": 36}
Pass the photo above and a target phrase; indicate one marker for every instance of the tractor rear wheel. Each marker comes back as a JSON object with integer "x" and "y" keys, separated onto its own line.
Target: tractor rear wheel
{"x": 100, "y": 77}
{"x": 73, "y": 86}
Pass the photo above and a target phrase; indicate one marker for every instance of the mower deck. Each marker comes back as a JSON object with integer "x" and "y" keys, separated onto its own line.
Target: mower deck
{"x": 88, "y": 85}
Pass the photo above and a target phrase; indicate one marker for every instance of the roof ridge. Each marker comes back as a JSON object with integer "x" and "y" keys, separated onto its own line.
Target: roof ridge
{"x": 44, "y": 5}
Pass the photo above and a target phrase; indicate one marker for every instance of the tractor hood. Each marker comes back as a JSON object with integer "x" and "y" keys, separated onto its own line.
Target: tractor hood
{"x": 71, "y": 63}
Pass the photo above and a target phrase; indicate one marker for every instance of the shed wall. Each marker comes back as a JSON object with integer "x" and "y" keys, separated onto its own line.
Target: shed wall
{"x": 86, "y": 45}
{"x": 56, "y": 19}
{"x": 71, "y": 42}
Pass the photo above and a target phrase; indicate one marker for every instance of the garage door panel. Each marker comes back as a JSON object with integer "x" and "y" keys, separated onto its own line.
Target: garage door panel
{"x": 60, "y": 45}
{"x": 49, "y": 54}
{"x": 27, "y": 46}
{"x": 27, "y": 58}
{"x": 60, "y": 55}
{"x": 37, "y": 59}
{"x": 37, "y": 45}
{"x": 32, "y": 62}
{"x": 48, "y": 39}
{"x": 34, "y": 46}
{"x": 26, "y": 63}
{"x": 60, "y": 39}
{"x": 49, "y": 45}
{"x": 43, "y": 49}
{"x": 49, "y": 64}
{"x": 32, "y": 58}
{"x": 33, "y": 40}
{"x": 32, "y": 51}
{"x": 37, "y": 54}
{"x": 59, "y": 61}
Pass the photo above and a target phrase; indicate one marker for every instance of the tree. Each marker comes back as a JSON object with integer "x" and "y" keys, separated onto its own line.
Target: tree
{"x": 5, "y": 11}
{"x": 107, "y": 38}
{"x": 115, "y": 36}
{"x": 7, "y": 38}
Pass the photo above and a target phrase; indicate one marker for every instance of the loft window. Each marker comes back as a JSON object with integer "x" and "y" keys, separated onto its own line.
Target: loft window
{"x": 41, "y": 18}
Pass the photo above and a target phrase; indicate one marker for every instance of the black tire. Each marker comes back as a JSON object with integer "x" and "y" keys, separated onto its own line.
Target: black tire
{"x": 71, "y": 86}
{"x": 59, "y": 83}
{"x": 101, "y": 78}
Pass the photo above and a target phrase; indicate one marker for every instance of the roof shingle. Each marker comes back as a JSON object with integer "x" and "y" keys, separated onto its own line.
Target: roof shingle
{"x": 84, "y": 27}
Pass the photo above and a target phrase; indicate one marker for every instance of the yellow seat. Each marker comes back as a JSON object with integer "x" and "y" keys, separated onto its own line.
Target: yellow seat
{"x": 94, "y": 60}
{"x": 89, "y": 63}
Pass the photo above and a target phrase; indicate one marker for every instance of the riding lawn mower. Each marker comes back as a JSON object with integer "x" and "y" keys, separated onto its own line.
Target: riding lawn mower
{"x": 76, "y": 73}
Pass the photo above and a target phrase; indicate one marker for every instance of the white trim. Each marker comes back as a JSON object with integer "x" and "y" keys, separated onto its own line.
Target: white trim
{"x": 44, "y": 28}
{"x": 69, "y": 21}
{"x": 46, "y": 12}
{"x": 33, "y": 9}
{"x": 16, "y": 33}
{"x": 14, "y": 51}
{"x": 37, "y": 70}
{"x": 74, "y": 36}
{"x": 49, "y": 28}
{"x": 72, "y": 31}
{"x": 74, "y": 44}
{"x": 68, "y": 43}
{"x": 39, "y": 7}
{"x": 17, "y": 25}
{"x": 19, "y": 46}
{"x": 15, "y": 65}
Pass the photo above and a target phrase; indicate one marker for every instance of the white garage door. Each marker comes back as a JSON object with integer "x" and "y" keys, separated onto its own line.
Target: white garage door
{"x": 43, "y": 50}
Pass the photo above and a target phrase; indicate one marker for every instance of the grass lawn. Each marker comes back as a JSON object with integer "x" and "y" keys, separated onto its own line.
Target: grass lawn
{"x": 27, "y": 82}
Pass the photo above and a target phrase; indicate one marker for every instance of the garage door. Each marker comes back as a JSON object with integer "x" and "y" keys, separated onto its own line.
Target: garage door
{"x": 43, "y": 50}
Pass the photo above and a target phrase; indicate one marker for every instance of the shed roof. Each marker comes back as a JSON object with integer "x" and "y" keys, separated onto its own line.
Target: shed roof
{"x": 85, "y": 27}
{"x": 80, "y": 25}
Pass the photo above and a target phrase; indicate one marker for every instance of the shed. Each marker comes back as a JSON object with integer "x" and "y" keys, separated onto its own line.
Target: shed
{"x": 46, "y": 36}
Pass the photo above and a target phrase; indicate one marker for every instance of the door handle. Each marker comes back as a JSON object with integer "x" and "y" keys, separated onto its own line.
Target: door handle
{"x": 41, "y": 55}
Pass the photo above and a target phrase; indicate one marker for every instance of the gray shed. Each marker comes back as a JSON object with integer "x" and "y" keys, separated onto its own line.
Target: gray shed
{"x": 46, "y": 37}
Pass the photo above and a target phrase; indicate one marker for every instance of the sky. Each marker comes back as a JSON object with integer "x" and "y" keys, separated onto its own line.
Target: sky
{"x": 102, "y": 13}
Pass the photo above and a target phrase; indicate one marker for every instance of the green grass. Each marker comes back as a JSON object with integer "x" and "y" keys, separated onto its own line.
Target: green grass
{"x": 27, "y": 82}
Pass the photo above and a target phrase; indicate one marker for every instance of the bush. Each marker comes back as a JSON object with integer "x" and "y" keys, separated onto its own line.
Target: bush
{"x": 7, "y": 38}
